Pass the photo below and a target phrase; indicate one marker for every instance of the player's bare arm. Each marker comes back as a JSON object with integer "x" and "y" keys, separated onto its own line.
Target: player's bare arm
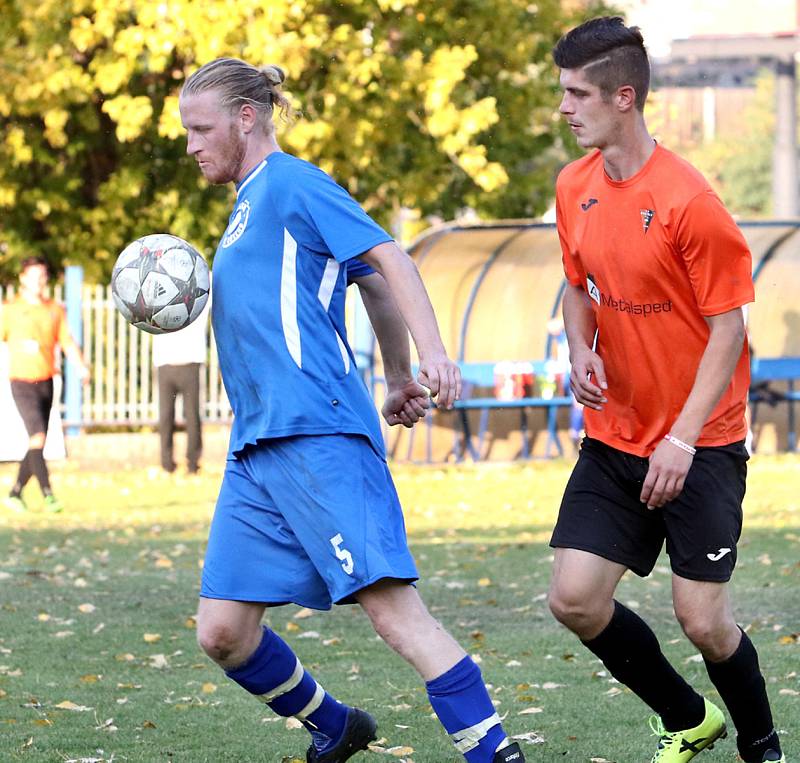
{"x": 669, "y": 463}
{"x": 587, "y": 376}
{"x": 406, "y": 400}
{"x": 436, "y": 371}
{"x": 73, "y": 352}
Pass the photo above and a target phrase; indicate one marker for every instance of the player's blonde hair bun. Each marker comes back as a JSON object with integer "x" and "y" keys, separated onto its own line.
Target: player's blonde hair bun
{"x": 273, "y": 74}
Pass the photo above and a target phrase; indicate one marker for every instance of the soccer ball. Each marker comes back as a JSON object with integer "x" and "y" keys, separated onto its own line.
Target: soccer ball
{"x": 160, "y": 283}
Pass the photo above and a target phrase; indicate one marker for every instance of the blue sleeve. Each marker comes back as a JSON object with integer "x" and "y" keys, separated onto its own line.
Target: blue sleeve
{"x": 357, "y": 269}
{"x": 320, "y": 214}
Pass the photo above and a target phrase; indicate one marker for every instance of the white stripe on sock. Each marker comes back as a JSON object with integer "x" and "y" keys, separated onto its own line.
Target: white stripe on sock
{"x": 292, "y": 683}
{"x": 316, "y": 701}
{"x": 469, "y": 738}
{"x": 505, "y": 743}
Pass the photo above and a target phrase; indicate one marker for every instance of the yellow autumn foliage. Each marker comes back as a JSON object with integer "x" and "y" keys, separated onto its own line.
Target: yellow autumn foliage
{"x": 407, "y": 103}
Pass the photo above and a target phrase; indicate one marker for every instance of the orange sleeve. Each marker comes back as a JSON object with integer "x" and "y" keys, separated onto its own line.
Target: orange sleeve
{"x": 572, "y": 269}
{"x": 716, "y": 255}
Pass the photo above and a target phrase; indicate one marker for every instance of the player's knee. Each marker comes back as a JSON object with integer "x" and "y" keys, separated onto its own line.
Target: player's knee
{"x": 218, "y": 640}
{"x": 36, "y": 440}
{"x": 709, "y": 634}
{"x": 572, "y": 610}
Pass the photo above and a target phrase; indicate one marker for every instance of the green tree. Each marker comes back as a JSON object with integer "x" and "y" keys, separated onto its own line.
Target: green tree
{"x": 430, "y": 104}
{"x": 740, "y": 165}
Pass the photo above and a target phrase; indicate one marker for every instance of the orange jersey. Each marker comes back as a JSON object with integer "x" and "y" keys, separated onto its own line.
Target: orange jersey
{"x": 655, "y": 253}
{"x": 32, "y": 332}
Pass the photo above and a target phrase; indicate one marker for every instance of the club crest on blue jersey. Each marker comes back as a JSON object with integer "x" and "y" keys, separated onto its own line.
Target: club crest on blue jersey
{"x": 237, "y": 224}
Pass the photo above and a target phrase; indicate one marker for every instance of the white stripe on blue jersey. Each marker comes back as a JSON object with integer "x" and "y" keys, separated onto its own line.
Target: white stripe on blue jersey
{"x": 328, "y": 283}
{"x": 326, "y": 287}
{"x": 291, "y": 330}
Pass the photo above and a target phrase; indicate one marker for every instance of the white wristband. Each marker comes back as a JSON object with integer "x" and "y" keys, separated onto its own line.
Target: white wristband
{"x": 680, "y": 444}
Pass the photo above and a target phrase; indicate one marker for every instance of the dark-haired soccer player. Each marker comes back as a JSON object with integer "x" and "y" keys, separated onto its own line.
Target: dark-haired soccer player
{"x": 658, "y": 272}
{"x": 33, "y": 327}
{"x": 307, "y": 512}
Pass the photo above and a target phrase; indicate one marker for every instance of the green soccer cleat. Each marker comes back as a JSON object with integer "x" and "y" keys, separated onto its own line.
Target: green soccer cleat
{"x": 682, "y": 746}
{"x": 52, "y": 504}
{"x": 15, "y": 503}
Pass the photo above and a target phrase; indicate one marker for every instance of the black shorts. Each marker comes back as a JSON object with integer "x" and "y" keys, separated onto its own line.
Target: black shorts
{"x": 34, "y": 399}
{"x": 601, "y": 512}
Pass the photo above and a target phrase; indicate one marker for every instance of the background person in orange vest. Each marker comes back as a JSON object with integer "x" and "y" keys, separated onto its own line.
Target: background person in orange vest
{"x": 33, "y": 326}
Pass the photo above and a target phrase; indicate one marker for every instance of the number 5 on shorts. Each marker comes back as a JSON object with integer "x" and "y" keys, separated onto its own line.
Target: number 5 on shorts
{"x": 342, "y": 553}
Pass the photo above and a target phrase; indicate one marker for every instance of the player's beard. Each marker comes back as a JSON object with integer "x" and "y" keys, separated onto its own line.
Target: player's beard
{"x": 231, "y": 159}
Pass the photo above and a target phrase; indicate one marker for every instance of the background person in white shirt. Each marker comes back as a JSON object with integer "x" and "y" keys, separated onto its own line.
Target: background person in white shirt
{"x": 178, "y": 358}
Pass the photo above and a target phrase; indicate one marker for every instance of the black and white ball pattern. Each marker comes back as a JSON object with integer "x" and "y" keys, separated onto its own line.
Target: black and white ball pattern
{"x": 160, "y": 283}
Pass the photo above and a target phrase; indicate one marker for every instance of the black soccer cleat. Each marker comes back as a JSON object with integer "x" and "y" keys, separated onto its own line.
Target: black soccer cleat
{"x": 359, "y": 731}
{"x": 510, "y": 754}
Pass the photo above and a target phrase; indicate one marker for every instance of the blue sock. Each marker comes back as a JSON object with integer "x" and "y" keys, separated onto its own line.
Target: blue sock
{"x": 274, "y": 675}
{"x": 460, "y": 699}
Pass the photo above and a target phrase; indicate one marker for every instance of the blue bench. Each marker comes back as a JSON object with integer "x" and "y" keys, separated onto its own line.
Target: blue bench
{"x": 480, "y": 376}
{"x": 766, "y": 370}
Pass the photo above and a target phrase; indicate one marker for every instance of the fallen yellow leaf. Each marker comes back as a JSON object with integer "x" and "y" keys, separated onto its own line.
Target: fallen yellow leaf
{"x": 152, "y": 638}
{"x": 67, "y": 705}
{"x": 209, "y": 688}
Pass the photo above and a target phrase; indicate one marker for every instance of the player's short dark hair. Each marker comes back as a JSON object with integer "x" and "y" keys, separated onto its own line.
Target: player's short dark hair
{"x": 32, "y": 261}
{"x": 611, "y": 54}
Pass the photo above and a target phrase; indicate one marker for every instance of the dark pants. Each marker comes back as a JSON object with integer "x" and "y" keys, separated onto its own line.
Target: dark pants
{"x": 173, "y": 381}
{"x": 33, "y": 400}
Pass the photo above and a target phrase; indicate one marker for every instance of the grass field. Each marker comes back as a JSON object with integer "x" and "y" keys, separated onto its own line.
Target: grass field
{"x": 98, "y": 660}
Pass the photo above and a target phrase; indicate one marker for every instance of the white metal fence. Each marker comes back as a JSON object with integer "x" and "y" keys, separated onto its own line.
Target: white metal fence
{"x": 123, "y": 389}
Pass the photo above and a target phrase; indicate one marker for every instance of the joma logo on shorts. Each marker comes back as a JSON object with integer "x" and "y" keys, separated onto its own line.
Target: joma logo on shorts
{"x": 716, "y": 557}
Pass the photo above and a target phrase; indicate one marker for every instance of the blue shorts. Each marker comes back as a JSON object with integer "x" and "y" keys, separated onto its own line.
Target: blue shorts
{"x": 308, "y": 520}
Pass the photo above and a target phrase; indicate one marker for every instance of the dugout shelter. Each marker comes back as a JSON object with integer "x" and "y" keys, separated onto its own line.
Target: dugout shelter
{"x": 496, "y": 285}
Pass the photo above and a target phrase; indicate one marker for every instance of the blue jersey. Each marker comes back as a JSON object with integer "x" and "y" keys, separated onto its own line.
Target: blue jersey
{"x": 280, "y": 275}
